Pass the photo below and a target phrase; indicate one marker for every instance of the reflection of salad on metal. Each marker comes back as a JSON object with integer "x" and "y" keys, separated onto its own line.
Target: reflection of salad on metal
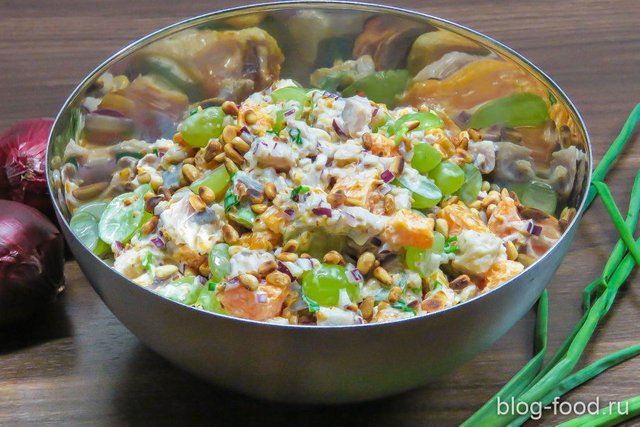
{"x": 381, "y": 191}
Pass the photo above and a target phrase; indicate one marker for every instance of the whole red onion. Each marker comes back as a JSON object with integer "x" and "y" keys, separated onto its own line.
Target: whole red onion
{"x": 31, "y": 261}
{"x": 22, "y": 164}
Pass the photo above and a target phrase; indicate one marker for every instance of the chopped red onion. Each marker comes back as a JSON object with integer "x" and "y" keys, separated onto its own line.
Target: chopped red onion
{"x": 289, "y": 113}
{"x": 283, "y": 269}
{"x": 290, "y": 213}
{"x": 330, "y": 95}
{"x": 261, "y": 297}
{"x": 350, "y": 219}
{"x": 384, "y": 189}
{"x": 118, "y": 246}
{"x": 387, "y": 176}
{"x": 338, "y": 129}
{"x": 354, "y": 275}
{"x": 322, "y": 211}
{"x": 305, "y": 263}
{"x": 158, "y": 242}
{"x": 533, "y": 228}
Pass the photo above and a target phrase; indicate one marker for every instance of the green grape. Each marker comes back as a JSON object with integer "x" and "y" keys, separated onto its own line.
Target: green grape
{"x": 121, "y": 220}
{"x": 468, "y": 193}
{"x": 418, "y": 259}
{"x": 291, "y": 93}
{"x": 324, "y": 283}
{"x": 425, "y": 158}
{"x": 536, "y": 194}
{"x": 521, "y": 109}
{"x": 219, "y": 262}
{"x": 448, "y": 176}
{"x": 200, "y": 127}
{"x": 208, "y": 300}
{"x": 217, "y": 180}
{"x": 383, "y": 86}
{"x": 185, "y": 290}
{"x": 85, "y": 227}
{"x": 95, "y": 209}
{"x": 424, "y": 192}
{"x": 427, "y": 121}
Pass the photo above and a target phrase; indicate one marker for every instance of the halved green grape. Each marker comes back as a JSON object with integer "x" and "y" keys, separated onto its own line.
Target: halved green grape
{"x": 85, "y": 227}
{"x": 243, "y": 216}
{"x": 537, "y": 194}
{"x": 425, "y": 192}
{"x": 291, "y": 93}
{"x": 200, "y": 127}
{"x": 93, "y": 208}
{"x": 185, "y": 290}
{"x": 418, "y": 259}
{"x": 324, "y": 283}
{"x": 208, "y": 300}
{"x": 142, "y": 190}
{"x": 521, "y": 109}
{"x": 472, "y": 183}
{"x": 320, "y": 242}
{"x": 217, "y": 180}
{"x": 219, "y": 262}
{"x": 122, "y": 218}
{"x": 425, "y": 158}
{"x": 448, "y": 177}
{"x": 383, "y": 86}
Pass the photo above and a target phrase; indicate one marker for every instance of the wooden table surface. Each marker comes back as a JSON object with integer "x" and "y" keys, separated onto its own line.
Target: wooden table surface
{"x": 77, "y": 364}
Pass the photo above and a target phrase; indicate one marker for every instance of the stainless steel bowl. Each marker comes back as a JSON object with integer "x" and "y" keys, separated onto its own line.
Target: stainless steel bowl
{"x": 315, "y": 364}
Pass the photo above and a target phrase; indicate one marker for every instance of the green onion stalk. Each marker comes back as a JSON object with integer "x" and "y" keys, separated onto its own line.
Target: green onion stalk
{"x": 535, "y": 383}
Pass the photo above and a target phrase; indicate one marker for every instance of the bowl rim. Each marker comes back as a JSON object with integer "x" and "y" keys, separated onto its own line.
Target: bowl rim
{"x": 194, "y": 21}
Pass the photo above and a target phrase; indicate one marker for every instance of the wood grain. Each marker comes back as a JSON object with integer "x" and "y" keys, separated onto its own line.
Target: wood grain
{"x": 77, "y": 365}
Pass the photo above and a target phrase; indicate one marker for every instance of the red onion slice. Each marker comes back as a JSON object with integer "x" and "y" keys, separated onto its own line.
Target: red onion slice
{"x": 290, "y": 213}
{"x": 289, "y": 113}
{"x": 354, "y": 275}
{"x": 338, "y": 129}
{"x": 283, "y": 269}
{"x": 322, "y": 211}
{"x": 158, "y": 242}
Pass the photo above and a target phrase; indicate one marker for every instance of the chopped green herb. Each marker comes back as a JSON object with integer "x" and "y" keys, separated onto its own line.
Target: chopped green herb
{"x": 301, "y": 189}
{"x": 194, "y": 111}
{"x": 552, "y": 98}
{"x": 401, "y": 305}
{"x": 451, "y": 245}
{"x": 295, "y": 136}
{"x": 230, "y": 200}
{"x": 211, "y": 285}
{"x": 147, "y": 263}
{"x": 313, "y": 306}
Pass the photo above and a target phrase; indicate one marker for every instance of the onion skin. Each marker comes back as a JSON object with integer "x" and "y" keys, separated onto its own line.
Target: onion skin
{"x": 22, "y": 164}
{"x": 31, "y": 261}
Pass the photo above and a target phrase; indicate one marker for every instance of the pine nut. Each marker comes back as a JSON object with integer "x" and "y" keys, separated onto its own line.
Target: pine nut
{"x": 250, "y": 117}
{"x": 279, "y": 279}
{"x": 365, "y": 262}
{"x": 232, "y": 154}
{"x": 197, "y": 203}
{"x": 442, "y": 227}
{"x": 228, "y": 133}
{"x": 230, "y": 166}
{"x": 290, "y": 246}
{"x": 230, "y": 107}
{"x": 267, "y": 267}
{"x": 149, "y": 226}
{"x": 229, "y": 234}
{"x": 190, "y": 172}
{"x": 144, "y": 178}
{"x": 389, "y": 204}
{"x": 394, "y": 295}
{"x": 270, "y": 190}
{"x": 259, "y": 208}
{"x": 206, "y": 194}
{"x": 512, "y": 252}
{"x": 287, "y": 256}
{"x": 165, "y": 271}
{"x": 240, "y": 146}
{"x": 366, "y": 308}
{"x": 383, "y": 276}
{"x": 333, "y": 257}
{"x": 249, "y": 281}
